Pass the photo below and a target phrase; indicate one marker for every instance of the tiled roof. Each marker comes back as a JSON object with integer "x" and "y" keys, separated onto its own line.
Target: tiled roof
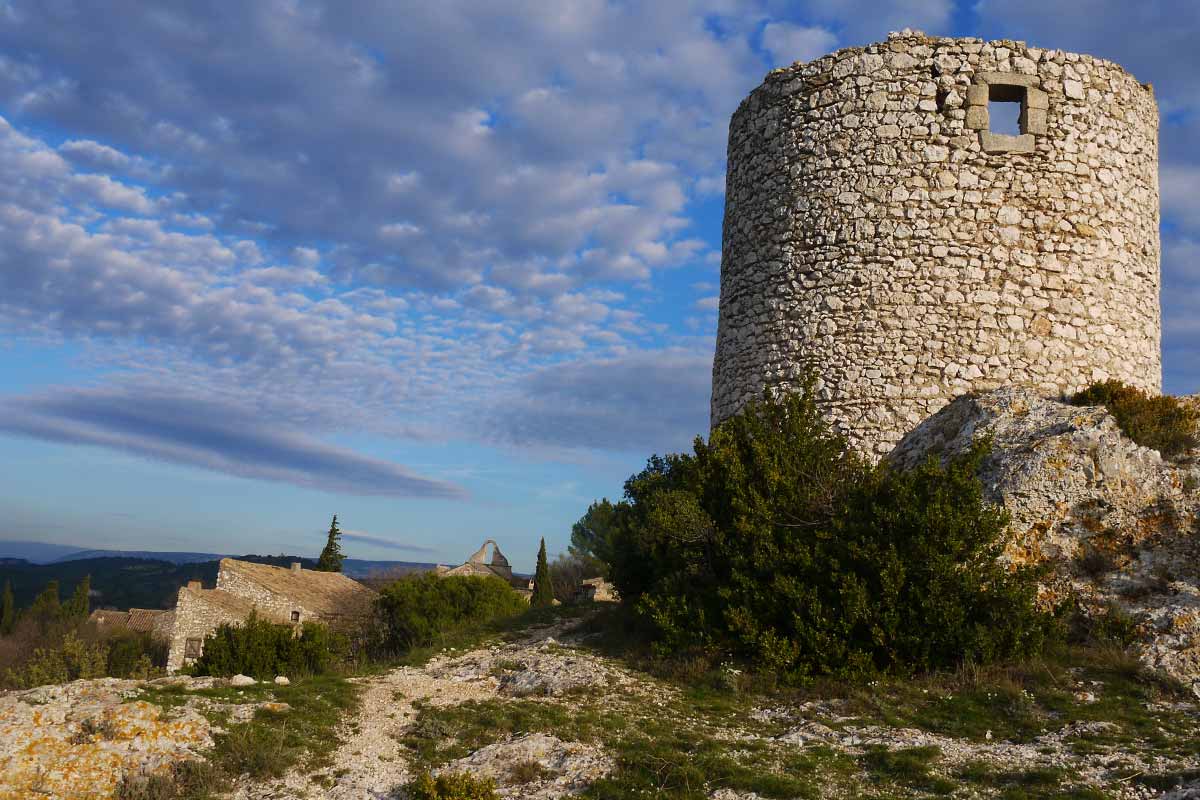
{"x": 324, "y": 593}
{"x": 231, "y": 604}
{"x": 108, "y": 616}
{"x": 143, "y": 619}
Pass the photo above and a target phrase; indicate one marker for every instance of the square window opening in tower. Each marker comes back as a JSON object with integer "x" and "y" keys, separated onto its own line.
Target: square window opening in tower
{"x": 1006, "y": 106}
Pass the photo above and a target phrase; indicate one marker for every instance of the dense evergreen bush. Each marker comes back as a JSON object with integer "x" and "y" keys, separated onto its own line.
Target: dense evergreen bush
{"x": 416, "y": 610}
{"x": 264, "y": 649}
{"x": 777, "y": 544}
{"x": 451, "y": 786}
{"x": 1170, "y": 425}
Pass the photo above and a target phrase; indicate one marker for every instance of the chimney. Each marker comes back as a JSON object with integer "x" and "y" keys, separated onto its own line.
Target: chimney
{"x": 295, "y": 566}
{"x": 194, "y": 585}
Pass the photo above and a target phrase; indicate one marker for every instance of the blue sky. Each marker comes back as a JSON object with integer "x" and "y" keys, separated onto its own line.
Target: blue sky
{"x": 447, "y": 270}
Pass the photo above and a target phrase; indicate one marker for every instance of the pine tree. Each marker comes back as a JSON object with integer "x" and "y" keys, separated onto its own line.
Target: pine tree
{"x": 80, "y": 603}
{"x": 8, "y": 610}
{"x": 332, "y": 557}
{"x": 45, "y": 609}
{"x": 543, "y": 591}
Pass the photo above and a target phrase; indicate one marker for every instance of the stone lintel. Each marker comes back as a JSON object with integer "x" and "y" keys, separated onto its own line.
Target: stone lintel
{"x": 1003, "y": 143}
{"x": 1009, "y": 78}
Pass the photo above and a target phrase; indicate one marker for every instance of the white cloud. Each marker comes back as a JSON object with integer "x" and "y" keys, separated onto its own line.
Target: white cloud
{"x": 787, "y": 43}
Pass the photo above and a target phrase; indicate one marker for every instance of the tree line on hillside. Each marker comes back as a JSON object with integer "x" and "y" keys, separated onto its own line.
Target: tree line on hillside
{"x": 53, "y": 641}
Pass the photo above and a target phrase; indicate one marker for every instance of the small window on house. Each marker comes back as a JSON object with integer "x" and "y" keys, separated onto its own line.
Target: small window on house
{"x": 295, "y": 616}
{"x": 192, "y": 648}
{"x": 1004, "y": 109}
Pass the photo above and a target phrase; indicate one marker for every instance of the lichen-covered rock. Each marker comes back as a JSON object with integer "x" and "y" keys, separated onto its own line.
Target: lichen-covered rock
{"x": 537, "y": 766}
{"x": 77, "y": 740}
{"x": 1119, "y": 523}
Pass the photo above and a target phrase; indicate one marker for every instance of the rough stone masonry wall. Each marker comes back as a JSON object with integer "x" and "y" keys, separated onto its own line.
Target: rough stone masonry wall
{"x": 877, "y": 230}
{"x": 266, "y": 601}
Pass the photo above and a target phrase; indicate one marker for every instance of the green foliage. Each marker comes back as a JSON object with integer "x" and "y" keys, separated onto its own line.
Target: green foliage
{"x": 777, "y": 544}
{"x": 331, "y": 557}
{"x": 263, "y": 649}
{"x": 188, "y": 779}
{"x": 79, "y": 605}
{"x": 45, "y": 610}
{"x": 592, "y": 535}
{"x": 451, "y": 786}
{"x": 418, "y": 610}
{"x": 8, "y": 610}
{"x": 133, "y": 654}
{"x": 73, "y": 660}
{"x": 543, "y": 588}
{"x": 1170, "y": 425}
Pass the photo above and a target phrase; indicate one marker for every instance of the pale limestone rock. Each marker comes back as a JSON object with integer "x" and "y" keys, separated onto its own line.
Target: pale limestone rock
{"x": 1118, "y": 522}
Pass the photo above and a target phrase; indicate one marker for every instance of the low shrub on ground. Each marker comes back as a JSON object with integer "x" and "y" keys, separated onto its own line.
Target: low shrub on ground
{"x": 264, "y": 649}
{"x": 183, "y": 780}
{"x": 778, "y": 545}
{"x": 451, "y": 786}
{"x": 77, "y": 651}
{"x": 1170, "y": 425}
{"x": 419, "y": 610}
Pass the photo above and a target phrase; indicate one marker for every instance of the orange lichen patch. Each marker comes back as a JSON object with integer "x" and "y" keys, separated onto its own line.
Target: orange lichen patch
{"x": 76, "y": 741}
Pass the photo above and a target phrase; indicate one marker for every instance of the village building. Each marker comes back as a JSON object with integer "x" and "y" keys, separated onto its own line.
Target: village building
{"x": 596, "y": 590}
{"x": 497, "y": 567}
{"x": 288, "y": 595}
{"x": 156, "y": 622}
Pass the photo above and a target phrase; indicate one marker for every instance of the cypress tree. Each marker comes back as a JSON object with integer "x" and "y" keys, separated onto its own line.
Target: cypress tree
{"x": 543, "y": 591}
{"x": 80, "y": 603}
{"x": 332, "y": 557}
{"x": 8, "y": 610}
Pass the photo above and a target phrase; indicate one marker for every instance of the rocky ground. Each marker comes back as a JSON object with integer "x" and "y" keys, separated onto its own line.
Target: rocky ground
{"x": 546, "y": 715}
{"x": 76, "y": 740}
{"x": 1120, "y": 524}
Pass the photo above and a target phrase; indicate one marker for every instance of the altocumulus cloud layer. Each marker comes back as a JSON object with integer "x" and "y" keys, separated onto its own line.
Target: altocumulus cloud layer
{"x": 271, "y": 223}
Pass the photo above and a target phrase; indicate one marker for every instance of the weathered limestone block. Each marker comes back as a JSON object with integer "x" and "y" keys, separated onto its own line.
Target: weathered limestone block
{"x": 1118, "y": 523}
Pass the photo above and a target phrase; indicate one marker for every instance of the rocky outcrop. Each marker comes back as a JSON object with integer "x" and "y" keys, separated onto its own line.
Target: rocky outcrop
{"x": 78, "y": 739}
{"x": 1118, "y": 522}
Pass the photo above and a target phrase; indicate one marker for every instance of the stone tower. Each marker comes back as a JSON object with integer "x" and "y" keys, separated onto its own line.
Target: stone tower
{"x": 886, "y": 229}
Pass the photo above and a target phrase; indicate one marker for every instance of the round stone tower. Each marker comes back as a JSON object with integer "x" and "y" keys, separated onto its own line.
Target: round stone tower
{"x": 926, "y": 217}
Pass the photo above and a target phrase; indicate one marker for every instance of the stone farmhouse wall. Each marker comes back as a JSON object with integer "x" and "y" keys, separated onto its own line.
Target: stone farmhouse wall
{"x": 288, "y": 596}
{"x": 880, "y": 231}
{"x": 197, "y": 614}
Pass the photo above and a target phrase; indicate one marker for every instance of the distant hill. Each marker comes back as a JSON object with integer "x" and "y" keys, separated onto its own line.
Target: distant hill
{"x": 40, "y": 553}
{"x": 36, "y": 552}
{"x": 130, "y": 581}
{"x": 174, "y": 558}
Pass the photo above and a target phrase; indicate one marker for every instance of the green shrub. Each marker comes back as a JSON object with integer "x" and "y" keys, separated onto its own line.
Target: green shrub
{"x": 451, "y": 786}
{"x": 134, "y": 654}
{"x": 71, "y": 660}
{"x": 189, "y": 779}
{"x": 1168, "y": 424}
{"x": 264, "y": 649}
{"x": 777, "y": 544}
{"x": 417, "y": 610}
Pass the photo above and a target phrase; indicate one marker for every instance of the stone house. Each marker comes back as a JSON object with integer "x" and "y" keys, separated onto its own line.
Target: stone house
{"x": 288, "y": 595}
{"x": 498, "y": 567}
{"x": 596, "y": 590}
{"x": 156, "y": 622}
